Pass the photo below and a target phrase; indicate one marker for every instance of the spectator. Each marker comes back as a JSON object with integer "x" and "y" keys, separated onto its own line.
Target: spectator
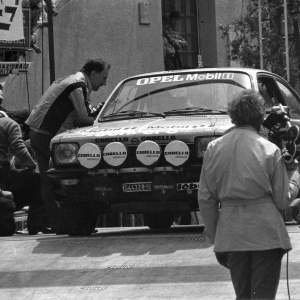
{"x": 175, "y": 39}
{"x": 23, "y": 183}
{"x": 244, "y": 189}
{"x": 35, "y": 7}
{"x": 168, "y": 49}
{"x": 65, "y": 100}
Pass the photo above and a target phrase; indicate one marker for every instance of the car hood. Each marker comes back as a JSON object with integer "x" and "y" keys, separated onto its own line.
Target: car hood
{"x": 162, "y": 130}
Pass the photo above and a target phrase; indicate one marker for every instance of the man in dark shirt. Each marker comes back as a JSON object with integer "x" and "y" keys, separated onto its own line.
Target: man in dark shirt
{"x": 65, "y": 100}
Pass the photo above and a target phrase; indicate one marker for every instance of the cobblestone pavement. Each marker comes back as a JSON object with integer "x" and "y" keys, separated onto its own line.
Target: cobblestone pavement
{"x": 125, "y": 263}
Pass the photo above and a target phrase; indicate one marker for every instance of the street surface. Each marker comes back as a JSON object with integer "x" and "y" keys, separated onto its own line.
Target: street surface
{"x": 125, "y": 263}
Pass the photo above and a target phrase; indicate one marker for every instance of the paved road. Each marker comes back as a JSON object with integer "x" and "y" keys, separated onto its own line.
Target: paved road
{"x": 124, "y": 263}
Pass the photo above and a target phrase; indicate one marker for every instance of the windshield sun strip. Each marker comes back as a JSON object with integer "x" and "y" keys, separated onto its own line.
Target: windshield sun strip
{"x": 186, "y": 84}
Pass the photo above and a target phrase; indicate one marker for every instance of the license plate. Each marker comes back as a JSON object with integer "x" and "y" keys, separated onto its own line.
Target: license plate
{"x": 136, "y": 187}
{"x": 146, "y": 187}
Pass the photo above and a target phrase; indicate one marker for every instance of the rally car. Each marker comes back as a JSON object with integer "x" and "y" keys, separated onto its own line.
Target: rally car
{"x": 143, "y": 153}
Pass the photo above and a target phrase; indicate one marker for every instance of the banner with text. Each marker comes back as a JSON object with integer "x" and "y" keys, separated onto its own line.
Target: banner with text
{"x": 11, "y": 20}
{"x": 7, "y": 68}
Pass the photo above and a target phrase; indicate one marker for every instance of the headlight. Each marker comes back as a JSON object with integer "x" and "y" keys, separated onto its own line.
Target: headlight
{"x": 201, "y": 144}
{"x": 66, "y": 153}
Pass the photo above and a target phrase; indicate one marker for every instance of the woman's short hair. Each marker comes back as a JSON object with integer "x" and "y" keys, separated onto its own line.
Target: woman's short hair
{"x": 247, "y": 108}
{"x": 96, "y": 64}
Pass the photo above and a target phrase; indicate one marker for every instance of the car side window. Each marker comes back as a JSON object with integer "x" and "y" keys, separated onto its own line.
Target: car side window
{"x": 269, "y": 91}
{"x": 291, "y": 100}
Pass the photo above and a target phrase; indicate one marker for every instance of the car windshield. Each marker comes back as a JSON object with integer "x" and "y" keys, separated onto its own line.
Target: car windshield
{"x": 190, "y": 93}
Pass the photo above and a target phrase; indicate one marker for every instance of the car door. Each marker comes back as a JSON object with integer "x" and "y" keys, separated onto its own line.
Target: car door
{"x": 269, "y": 90}
{"x": 291, "y": 99}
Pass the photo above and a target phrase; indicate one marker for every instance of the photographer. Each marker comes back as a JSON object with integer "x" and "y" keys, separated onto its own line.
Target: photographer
{"x": 36, "y": 12}
{"x": 244, "y": 189}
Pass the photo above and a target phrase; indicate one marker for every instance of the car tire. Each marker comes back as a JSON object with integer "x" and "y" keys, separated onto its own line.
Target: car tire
{"x": 77, "y": 220}
{"x": 159, "y": 220}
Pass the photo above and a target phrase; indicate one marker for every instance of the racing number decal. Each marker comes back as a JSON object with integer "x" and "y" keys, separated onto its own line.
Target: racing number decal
{"x": 9, "y": 10}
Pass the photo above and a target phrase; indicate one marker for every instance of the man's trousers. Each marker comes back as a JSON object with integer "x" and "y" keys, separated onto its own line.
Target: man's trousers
{"x": 40, "y": 143}
{"x": 255, "y": 274}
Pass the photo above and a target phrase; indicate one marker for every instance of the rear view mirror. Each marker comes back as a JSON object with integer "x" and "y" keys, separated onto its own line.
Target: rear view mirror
{"x": 83, "y": 122}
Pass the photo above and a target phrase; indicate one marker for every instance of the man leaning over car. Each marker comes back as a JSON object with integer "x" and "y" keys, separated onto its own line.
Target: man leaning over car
{"x": 65, "y": 100}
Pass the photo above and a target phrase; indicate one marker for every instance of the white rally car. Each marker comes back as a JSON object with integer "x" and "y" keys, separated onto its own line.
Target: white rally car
{"x": 143, "y": 153}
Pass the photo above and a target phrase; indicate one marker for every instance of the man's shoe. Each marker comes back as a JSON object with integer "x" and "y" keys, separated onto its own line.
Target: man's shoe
{"x": 36, "y": 230}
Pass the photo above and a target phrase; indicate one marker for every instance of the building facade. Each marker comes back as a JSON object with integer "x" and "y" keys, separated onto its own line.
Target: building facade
{"x": 127, "y": 34}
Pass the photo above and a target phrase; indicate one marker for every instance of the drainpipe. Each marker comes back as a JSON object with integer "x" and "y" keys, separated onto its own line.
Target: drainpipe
{"x": 50, "y": 41}
{"x": 286, "y": 42}
{"x": 260, "y": 36}
{"x": 200, "y": 62}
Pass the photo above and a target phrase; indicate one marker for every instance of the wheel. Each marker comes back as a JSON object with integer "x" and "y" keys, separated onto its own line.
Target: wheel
{"x": 159, "y": 220}
{"x": 77, "y": 219}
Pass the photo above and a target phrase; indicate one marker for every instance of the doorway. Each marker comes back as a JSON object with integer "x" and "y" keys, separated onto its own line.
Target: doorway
{"x": 187, "y": 27}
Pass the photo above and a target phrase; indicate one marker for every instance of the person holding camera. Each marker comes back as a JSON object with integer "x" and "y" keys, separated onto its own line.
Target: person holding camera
{"x": 245, "y": 186}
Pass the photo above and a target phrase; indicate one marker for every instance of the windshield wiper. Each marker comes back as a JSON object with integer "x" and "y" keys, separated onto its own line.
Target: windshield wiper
{"x": 194, "y": 109}
{"x": 133, "y": 113}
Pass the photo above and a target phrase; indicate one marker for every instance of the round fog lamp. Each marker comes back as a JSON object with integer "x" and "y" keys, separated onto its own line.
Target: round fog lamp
{"x": 115, "y": 154}
{"x": 89, "y": 155}
{"x": 148, "y": 153}
{"x": 177, "y": 153}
